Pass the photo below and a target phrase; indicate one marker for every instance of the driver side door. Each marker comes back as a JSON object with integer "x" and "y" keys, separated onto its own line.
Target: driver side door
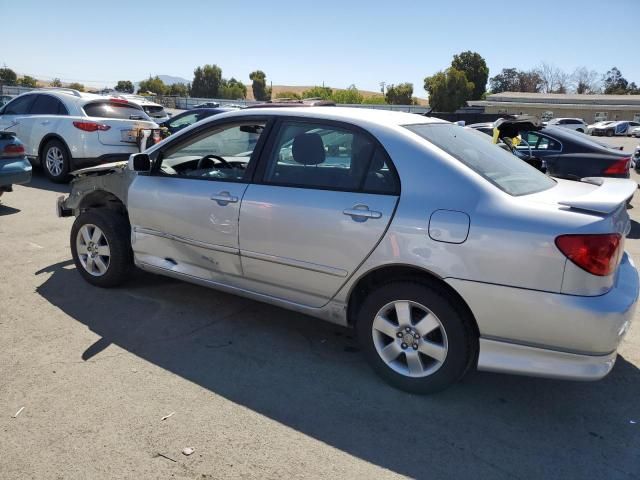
{"x": 184, "y": 213}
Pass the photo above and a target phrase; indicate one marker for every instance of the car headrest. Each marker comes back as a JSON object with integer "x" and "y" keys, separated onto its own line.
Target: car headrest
{"x": 308, "y": 149}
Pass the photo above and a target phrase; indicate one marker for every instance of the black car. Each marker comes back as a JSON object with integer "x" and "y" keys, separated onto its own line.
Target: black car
{"x": 207, "y": 105}
{"x": 189, "y": 117}
{"x": 563, "y": 153}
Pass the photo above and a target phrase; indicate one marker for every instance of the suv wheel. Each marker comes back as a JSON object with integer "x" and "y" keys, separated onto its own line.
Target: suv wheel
{"x": 100, "y": 247}
{"x": 414, "y": 336}
{"x": 56, "y": 161}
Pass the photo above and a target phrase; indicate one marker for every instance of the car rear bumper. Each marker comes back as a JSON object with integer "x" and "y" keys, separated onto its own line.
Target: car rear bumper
{"x": 14, "y": 172}
{"x": 550, "y": 334}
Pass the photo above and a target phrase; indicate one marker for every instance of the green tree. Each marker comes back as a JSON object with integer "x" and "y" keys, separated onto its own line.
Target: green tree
{"x": 77, "y": 86}
{"x": 233, "y": 89}
{"x": 207, "y": 81}
{"x": 27, "y": 81}
{"x": 349, "y": 96}
{"x": 318, "y": 92}
{"x": 259, "y": 85}
{"x": 476, "y": 70}
{"x": 56, "y": 82}
{"x": 152, "y": 84}
{"x": 448, "y": 90}
{"x": 401, "y": 94}
{"x": 8, "y": 76}
{"x": 513, "y": 80}
{"x": 179, "y": 89}
{"x": 124, "y": 86}
{"x": 288, "y": 95}
{"x": 615, "y": 83}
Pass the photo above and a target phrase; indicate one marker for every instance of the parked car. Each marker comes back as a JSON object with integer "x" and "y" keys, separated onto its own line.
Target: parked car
{"x": 593, "y": 126}
{"x": 15, "y": 169}
{"x": 189, "y": 117}
{"x": 615, "y": 128}
{"x": 64, "y": 129}
{"x": 566, "y": 154}
{"x": 4, "y": 99}
{"x": 576, "y": 124}
{"x": 207, "y": 105}
{"x": 634, "y": 132}
{"x": 442, "y": 250}
{"x": 155, "y": 111}
{"x": 636, "y": 158}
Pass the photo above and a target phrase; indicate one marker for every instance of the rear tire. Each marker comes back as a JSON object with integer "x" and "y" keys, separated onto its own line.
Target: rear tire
{"x": 415, "y": 336}
{"x": 56, "y": 161}
{"x": 101, "y": 248}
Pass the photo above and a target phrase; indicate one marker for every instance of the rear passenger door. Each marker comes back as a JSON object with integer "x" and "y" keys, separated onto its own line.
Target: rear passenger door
{"x": 45, "y": 115}
{"x": 323, "y": 197}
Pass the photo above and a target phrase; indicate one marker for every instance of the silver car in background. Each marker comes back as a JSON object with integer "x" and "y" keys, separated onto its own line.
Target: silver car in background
{"x": 443, "y": 251}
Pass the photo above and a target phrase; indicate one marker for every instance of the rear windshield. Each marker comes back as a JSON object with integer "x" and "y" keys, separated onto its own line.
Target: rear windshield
{"x": 475, "y": 150}
{"x": 115, "y": 110}
{"x": 151, "y": 109}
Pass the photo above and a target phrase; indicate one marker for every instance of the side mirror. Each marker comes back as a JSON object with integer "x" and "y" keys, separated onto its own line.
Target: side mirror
{"x": 140, "y": 162}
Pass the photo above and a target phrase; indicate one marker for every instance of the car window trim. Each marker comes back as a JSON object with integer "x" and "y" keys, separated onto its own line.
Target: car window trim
{"x": 261, "y": 169}
{"x": 157, "y": 156}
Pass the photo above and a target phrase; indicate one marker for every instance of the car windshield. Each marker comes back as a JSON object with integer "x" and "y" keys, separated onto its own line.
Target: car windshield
{"x": 501, "y": 168}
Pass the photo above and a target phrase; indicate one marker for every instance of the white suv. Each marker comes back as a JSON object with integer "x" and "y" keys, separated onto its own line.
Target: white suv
{"x": 64, "y": 129}
{"x": 576, "y": 124}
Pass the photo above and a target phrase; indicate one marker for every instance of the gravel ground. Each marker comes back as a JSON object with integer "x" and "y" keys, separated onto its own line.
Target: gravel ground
{"x": 257, "y": 391}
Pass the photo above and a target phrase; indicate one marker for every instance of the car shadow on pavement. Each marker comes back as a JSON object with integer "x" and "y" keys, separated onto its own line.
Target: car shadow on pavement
{"x": 7, "y": 210}
{"x": 309, "y": 376}
{"x": 41, "y": 182}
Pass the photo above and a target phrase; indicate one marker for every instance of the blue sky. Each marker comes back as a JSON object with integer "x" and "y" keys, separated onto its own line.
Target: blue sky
{"x": 306, "y": 43}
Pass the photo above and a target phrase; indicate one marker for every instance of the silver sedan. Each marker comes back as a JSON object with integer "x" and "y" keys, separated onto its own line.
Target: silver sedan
{"x": 444, "y": 252}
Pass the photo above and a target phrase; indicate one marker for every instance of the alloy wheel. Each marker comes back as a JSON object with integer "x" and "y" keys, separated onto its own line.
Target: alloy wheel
{"x": 409, "y": 338}
{"x": 54, "y": 161}
{"x": 93, "y": 250}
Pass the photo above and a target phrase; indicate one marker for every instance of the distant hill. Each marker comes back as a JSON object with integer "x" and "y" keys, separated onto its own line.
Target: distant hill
{"x": 299, "y": 89}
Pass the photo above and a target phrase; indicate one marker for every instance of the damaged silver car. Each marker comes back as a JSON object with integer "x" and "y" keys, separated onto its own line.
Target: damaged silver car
{"x": 443, "y": 251}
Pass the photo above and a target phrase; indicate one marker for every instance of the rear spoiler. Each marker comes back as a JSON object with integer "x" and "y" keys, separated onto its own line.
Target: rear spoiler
{"x": 610, "y": 194}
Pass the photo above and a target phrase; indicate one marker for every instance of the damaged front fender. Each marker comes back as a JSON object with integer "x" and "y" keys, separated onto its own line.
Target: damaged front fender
{"x": 101, "y": 186}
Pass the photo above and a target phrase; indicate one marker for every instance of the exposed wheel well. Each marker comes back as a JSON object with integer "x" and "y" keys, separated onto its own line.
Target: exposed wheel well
{"x": 393, "y": 273}
{"x": 46, "y": 139}
{"x": 103, "y": 199}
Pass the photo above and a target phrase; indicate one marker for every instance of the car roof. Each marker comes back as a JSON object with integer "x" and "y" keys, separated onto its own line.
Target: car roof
{"x": 350, "y": 114}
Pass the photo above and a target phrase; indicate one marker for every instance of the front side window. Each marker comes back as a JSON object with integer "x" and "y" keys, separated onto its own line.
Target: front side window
{"x": 184, "y": 121}
{"x": 313, "y": 155}
{"x": 219, "y": 154}
{"x": 19, "y": 106}
{"x": 501, "y": 168}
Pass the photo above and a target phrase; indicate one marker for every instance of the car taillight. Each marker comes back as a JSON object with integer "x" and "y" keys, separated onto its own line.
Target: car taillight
{"x": 91, "y": 126}
{"x": 13, "y": 150}
{"x": 619, "y": 167}
{"x": 597, "y": 254}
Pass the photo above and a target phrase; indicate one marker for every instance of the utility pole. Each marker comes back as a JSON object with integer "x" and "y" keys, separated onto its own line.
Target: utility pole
{"x": 382, "y": 85}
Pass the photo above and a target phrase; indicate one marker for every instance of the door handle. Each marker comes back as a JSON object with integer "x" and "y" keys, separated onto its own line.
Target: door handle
{"x": 361, "y": 213}
{"x": 223, "y": 198}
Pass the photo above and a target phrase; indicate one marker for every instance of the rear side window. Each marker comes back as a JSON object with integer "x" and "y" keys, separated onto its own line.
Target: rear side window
{"x": 115, "y": 110}
{"x": 19, "y": 106}
{"x": 313, "y": 155}
{"x": 48, "y": 105}
{"x": 501, "y": 168}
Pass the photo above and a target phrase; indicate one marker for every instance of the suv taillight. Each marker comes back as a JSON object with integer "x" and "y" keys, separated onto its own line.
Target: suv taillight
{"x": 13, "y": 150}
{"x": 598, "y": 254}
{"x": 91, "y": 126}
{"x": 619, "y": 167}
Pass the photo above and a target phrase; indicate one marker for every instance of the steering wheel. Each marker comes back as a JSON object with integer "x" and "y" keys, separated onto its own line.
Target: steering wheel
{"x": 212, "y": 157}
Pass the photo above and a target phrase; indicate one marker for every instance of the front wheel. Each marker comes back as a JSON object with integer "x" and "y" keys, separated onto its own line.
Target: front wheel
{"x": 415, "y": 337}
{"x": 100, "y": 246}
